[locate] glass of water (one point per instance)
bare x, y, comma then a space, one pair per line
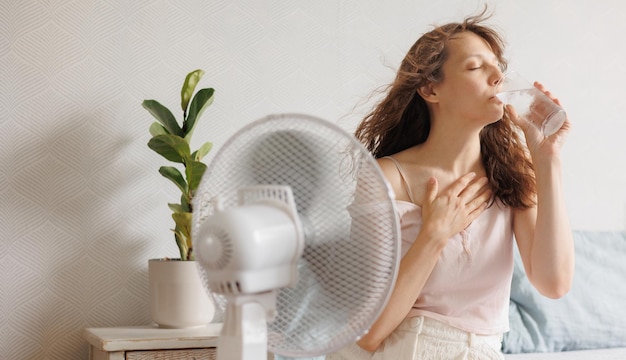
531, 104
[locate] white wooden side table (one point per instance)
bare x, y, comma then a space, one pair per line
152, 343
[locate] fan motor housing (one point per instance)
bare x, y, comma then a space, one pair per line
249, 249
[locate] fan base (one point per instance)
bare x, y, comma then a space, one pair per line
244, 334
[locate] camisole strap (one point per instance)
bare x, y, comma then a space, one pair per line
405, 183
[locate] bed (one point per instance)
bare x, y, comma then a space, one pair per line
587, 323
599, 354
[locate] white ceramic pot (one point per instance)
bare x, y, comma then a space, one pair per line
177, 297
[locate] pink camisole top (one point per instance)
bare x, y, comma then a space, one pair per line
470, 286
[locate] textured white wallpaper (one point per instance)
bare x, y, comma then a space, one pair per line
82, 206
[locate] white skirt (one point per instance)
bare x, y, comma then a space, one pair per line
423, 338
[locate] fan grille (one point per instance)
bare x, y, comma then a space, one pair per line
351, 229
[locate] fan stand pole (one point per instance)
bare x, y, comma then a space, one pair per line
244, 334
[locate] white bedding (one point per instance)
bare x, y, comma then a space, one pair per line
601, 354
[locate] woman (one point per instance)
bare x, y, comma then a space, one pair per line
466, 186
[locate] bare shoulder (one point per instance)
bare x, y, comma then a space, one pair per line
416, 176
391, 173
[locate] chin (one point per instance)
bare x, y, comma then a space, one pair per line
497, 116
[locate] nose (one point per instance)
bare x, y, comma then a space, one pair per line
498, 77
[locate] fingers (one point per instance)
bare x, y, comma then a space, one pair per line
450, 212
566, 125
517, 120
432, 188
468, 192
477, 189
480, 194
458, 186
542, 88
481, 198
476, 212
476, 197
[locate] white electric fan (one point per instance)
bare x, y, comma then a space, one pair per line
295, 227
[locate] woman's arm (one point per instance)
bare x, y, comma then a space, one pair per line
543, 233
415, 268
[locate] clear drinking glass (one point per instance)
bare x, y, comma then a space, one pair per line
531, 104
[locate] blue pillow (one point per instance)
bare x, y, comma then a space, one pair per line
592, 315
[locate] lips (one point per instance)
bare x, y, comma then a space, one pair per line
497, 99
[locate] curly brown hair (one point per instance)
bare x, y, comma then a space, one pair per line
403, 111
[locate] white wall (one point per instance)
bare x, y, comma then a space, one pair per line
82, 207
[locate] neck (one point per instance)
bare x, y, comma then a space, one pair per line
454, 148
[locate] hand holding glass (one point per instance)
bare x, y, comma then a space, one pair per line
531, 104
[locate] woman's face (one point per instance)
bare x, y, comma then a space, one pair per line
470, 76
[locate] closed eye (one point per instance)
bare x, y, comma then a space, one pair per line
474, 65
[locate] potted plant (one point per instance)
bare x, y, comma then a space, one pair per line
177, 296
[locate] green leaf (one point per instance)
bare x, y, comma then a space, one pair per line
157, 129
201, 101
189, 86
184, 202
176, 207
181, 241
194, 172
183, 233
202, 151
183, 223
175, 176
164, 115
172, 147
